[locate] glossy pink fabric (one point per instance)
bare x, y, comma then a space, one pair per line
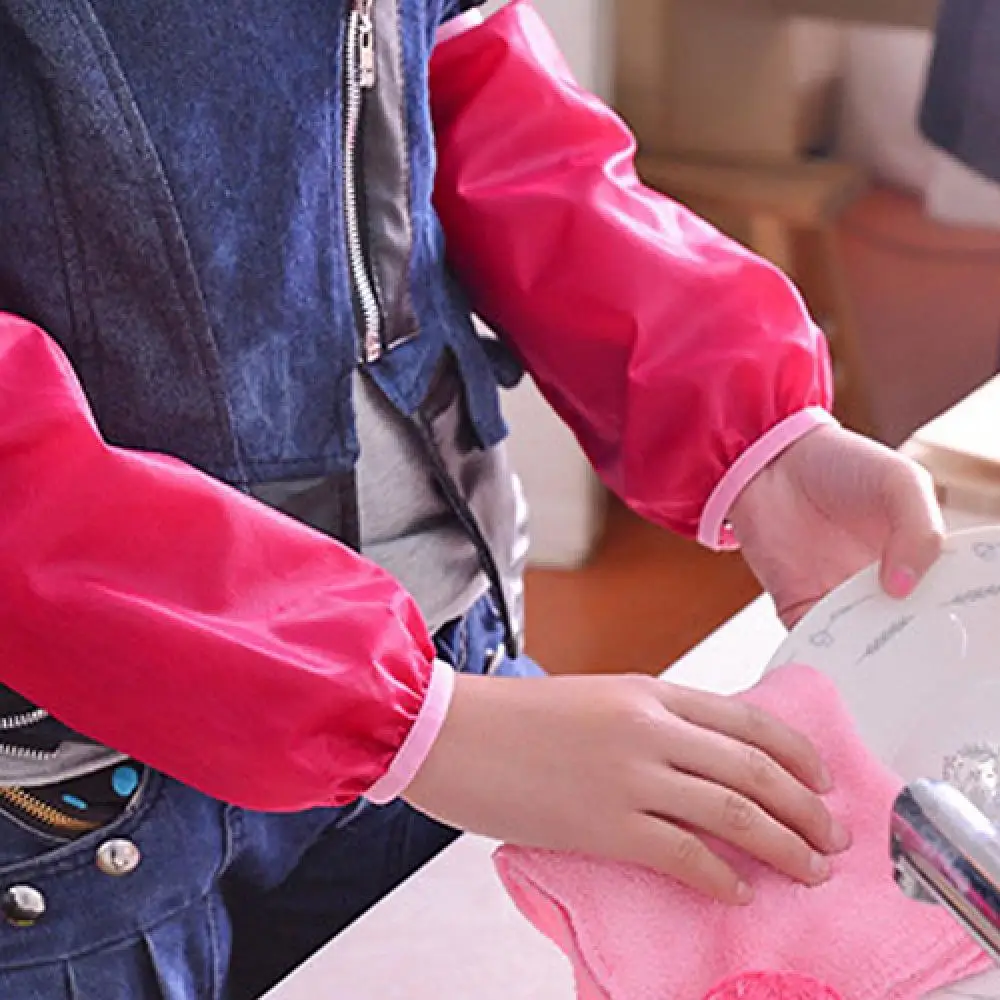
667, 348
177, 620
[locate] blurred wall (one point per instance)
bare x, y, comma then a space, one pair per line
563, 495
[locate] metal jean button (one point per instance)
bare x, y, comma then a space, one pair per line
22, 905
118, 857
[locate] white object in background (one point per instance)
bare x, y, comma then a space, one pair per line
565, 498
920, 676
884, 70
582, 29
960, 448
959, 196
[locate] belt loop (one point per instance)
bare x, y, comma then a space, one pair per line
495, 661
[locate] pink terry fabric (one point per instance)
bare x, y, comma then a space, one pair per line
634, 935
772, 986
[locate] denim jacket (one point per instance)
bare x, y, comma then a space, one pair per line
220, 208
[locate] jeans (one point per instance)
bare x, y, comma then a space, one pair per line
223, 902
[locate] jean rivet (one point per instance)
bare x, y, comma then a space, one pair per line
118, 857
22, 905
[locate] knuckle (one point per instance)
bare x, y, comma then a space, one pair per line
641, 721
760, 770
738, 813
688, 851
756, 723
640, 713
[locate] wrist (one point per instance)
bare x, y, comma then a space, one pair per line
726, 508
770, 492
421, 738
450, 780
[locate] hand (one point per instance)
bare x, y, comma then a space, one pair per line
830, 505
633, 769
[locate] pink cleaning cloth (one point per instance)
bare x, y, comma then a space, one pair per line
632, 934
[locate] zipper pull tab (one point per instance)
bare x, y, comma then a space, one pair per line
366, 45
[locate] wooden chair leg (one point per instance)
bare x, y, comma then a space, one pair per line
770, 237
857, 403
820, 274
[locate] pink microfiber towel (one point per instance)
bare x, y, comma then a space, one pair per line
632, 934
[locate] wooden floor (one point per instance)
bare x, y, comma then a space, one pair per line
645, 598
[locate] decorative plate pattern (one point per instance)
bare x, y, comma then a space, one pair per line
921, 676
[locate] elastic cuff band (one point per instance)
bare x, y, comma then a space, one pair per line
420, 738
713, 532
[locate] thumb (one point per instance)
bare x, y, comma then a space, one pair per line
915, 527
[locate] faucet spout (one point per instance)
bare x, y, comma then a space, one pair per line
946, 852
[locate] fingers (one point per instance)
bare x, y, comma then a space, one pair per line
916, 529
752, 778
753, 727
685, 857
743, 776
706, 807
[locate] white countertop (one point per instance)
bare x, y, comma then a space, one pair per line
450, 932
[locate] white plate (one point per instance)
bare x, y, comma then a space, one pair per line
921, 676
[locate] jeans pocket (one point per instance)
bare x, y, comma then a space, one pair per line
130, 911
23, 841
20, 842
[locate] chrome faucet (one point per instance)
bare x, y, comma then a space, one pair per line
945, 851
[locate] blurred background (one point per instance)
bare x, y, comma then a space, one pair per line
792, 125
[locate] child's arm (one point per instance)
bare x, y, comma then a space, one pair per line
175, 619
682, 362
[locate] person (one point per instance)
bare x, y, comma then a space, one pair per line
263, 270
958, 108
960, 104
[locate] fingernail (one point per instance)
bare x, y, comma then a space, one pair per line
744, 894
902, 580
839, 836
819, 867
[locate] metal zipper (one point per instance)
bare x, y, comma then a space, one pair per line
22, 721
42, 812
27, 753
360, 68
